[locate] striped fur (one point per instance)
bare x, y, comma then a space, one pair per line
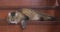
31, 14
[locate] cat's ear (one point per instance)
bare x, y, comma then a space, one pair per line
9, 14
16, 14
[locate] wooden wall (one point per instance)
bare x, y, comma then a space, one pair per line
29, 4
26, 3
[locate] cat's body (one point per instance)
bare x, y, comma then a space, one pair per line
34, 15
31, 14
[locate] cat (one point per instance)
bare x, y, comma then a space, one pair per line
27, 14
